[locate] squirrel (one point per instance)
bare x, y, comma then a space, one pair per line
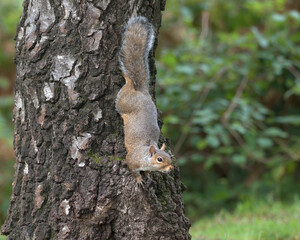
135, 105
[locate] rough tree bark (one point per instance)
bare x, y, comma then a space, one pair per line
70, 178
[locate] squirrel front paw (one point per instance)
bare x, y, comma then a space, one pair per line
140, 182
138, 178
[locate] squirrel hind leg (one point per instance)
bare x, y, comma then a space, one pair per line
129, 82
126, 97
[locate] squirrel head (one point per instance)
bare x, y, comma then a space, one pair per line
160, 159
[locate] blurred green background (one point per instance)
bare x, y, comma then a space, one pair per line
10, 11
228, 86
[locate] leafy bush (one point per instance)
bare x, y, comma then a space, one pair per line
6, 127
6, 177
10, 11
229, 93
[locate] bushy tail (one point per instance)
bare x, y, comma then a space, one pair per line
136, 44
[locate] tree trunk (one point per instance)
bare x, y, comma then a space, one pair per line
71, 180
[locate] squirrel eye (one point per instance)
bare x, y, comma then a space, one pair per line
159, 159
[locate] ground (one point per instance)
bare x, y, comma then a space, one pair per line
252, 220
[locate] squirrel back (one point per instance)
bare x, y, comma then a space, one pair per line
136, 44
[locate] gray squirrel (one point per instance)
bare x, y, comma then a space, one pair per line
135, 104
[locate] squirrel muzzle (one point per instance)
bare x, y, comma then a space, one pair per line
167, 168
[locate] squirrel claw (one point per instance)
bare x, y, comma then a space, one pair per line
138, 178
140, 181
141, 184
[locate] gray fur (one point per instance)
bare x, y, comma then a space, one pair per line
135, 104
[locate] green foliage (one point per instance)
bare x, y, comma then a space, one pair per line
10, 11
230, 99
6, 127
6, 175
252, 220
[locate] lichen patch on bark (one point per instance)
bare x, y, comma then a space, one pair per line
98, 114
19, 107
40, 11
33, 96
49, 91
63, 65
70, 10
65, 205
79, 143
26, 170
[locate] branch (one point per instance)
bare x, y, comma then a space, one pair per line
204, 25
231, 108
234, 102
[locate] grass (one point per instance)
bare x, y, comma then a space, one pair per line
252, 221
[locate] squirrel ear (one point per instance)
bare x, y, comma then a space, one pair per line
163, 147
152, 150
